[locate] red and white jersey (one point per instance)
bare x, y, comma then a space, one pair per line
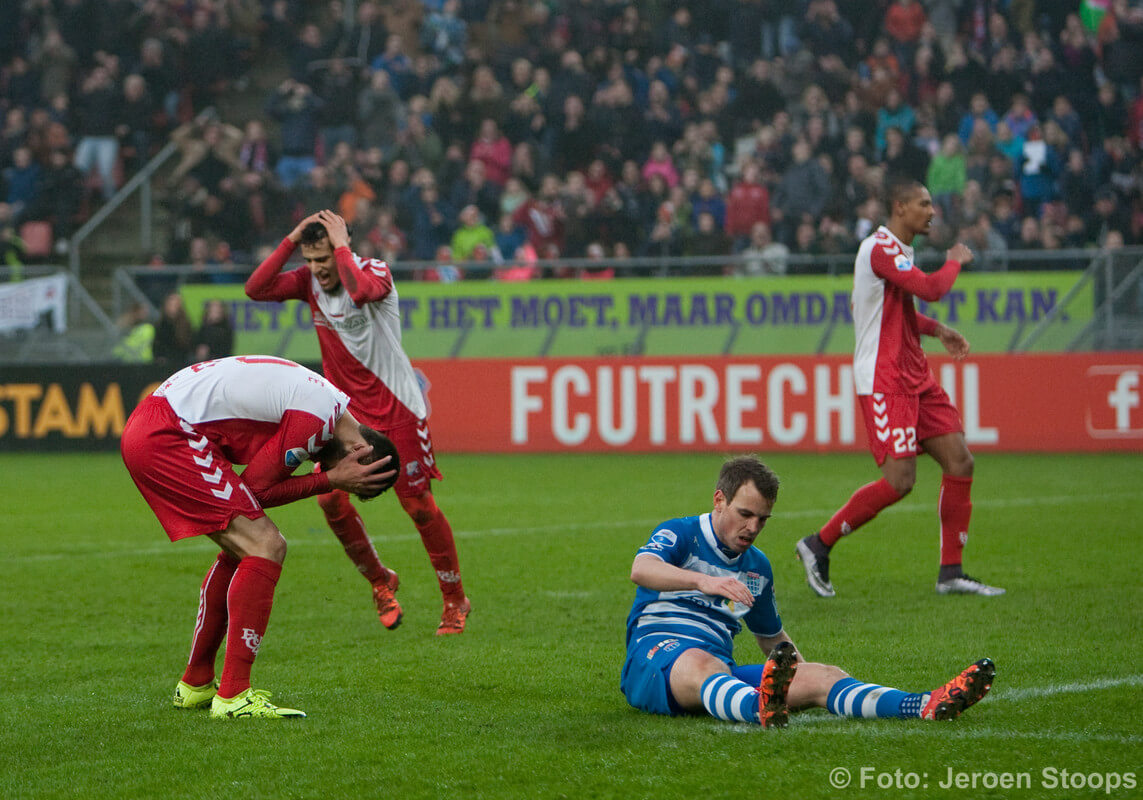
268, 413
888, 358
359, 333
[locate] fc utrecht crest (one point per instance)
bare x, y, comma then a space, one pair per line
296, 456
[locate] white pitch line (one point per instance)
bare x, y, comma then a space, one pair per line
1066, 688
640, 525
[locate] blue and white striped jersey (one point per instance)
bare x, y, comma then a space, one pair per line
690, 543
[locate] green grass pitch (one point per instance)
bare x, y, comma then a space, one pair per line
98, 606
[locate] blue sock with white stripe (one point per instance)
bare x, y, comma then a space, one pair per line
850, 697
726, 697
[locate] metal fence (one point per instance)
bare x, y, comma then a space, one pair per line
1115, 277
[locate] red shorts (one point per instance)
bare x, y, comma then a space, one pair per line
418, 464
898, 423
183, 476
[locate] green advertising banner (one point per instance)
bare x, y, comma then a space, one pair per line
661, 317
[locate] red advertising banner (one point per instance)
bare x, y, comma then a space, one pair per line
1058, 402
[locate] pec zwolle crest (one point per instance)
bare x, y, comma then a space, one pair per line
754, 582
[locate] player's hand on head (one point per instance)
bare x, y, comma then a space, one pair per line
358, 474
336, 228
960, 253
295, 235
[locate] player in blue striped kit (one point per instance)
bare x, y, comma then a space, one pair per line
699, 580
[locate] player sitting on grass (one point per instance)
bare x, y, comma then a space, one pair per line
698, 577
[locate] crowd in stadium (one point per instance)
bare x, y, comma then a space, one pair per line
510, 131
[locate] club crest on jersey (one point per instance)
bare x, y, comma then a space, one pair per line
412, 468
296, 456
755, 583
902, 262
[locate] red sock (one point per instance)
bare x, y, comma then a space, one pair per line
863, 506
955, 510
436, 535
249, 602
346, 524
210, 626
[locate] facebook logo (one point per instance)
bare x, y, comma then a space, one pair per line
1114, 407
1124, 398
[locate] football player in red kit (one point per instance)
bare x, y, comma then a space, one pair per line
358, 323
904, 408
180, 445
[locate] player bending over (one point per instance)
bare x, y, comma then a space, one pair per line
699, 579
180, 445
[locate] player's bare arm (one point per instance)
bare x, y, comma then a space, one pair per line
653, 573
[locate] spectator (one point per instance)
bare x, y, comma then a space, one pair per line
902, 157
903, 23
485, 99
380, 113
473, 188
979, 109
308, 47
97, 111
1077, 188
894, 114
706, 239
22, 183
388, 239
572, 140
762, 255
492, 148
542, 217
432, 223
136, 130
338, 89
471, 233
659, 163
297, 111
364, 40
215, 336
445, 34
173, 333
256, 154
137, 343
209, 151
826, 32
1039, 167
596, 252
56, 62
708, 200
946, 175
802, 192
58, 202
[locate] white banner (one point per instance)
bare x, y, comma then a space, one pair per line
34, 302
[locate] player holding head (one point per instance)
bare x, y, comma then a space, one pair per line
358, 324
180, 445
700, 578
905, 409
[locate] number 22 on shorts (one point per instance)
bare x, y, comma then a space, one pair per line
904, 440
